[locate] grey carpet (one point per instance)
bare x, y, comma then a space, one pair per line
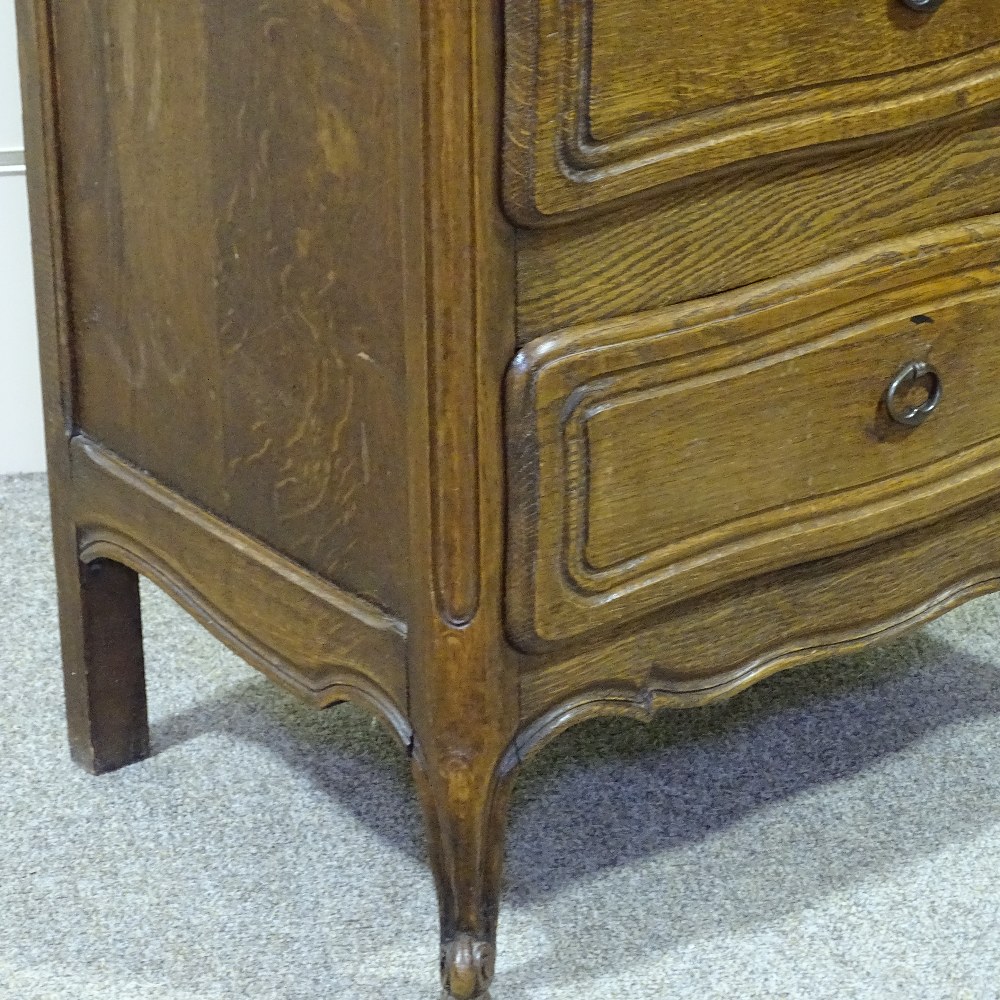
834, 832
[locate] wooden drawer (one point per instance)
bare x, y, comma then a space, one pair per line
661, 456
608, 99
681, 244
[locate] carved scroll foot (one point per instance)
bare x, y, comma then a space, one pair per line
467, 967
465, 807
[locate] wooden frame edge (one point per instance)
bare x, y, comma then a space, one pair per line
320, 642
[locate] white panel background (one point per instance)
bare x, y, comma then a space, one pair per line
21, 439
10, 111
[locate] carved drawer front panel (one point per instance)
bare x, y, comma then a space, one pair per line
660, 456
610, 97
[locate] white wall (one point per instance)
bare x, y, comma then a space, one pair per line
21, 439
10, 110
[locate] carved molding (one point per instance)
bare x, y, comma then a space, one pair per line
933, 488
451, 248
557, 386
771, 122
340, 683
557, 165
466, 834
323, 644
644, 700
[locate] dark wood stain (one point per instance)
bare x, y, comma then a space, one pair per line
499, 365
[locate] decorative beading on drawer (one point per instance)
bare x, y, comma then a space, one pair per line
609, 99
660, 456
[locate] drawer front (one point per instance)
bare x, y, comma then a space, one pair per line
659, 457
611, 97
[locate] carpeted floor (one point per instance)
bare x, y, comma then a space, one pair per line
833, 833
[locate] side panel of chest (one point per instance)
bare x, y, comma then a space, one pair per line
233, 198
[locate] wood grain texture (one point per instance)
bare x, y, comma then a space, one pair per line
453, 322
232, 181
463, 691
277, 300
99, 620
469, 910
664, 455
307, 164
724, 233
320, 642
652, 62
107, 717
712, 647
135, 186
606, 100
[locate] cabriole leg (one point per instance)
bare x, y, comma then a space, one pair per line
466, 816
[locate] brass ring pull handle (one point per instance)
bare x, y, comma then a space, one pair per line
900, 386
924, 6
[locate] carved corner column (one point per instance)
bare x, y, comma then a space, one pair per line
463, 692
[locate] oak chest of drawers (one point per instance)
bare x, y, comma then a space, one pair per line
499, 365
